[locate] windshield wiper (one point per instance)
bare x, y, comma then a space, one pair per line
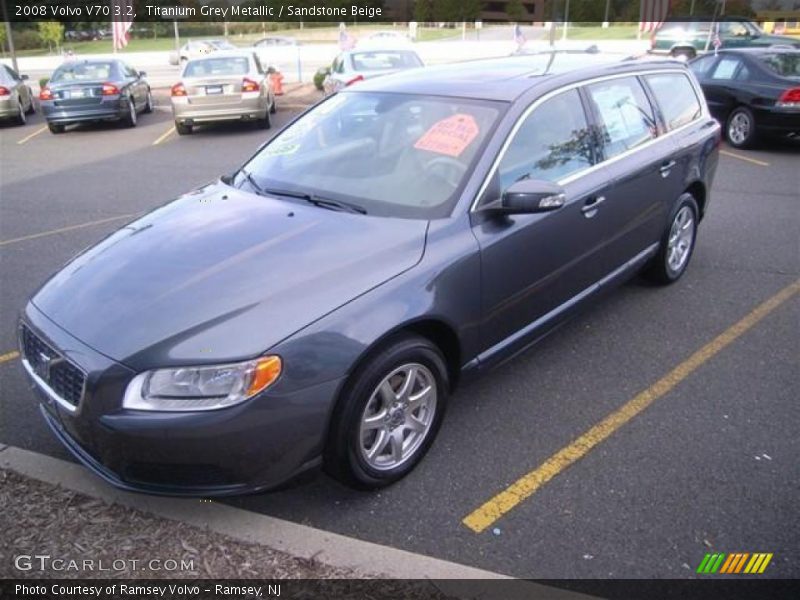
317, 200
311, 198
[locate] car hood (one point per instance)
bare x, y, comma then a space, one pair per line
221, 275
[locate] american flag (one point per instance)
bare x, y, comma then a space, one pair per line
653, 13
519, 37
122, 11
346, 41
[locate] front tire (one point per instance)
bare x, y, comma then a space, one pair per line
740, 129
388, 414
677, 244
684, 54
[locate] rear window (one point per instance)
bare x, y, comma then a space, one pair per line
676, 96
83, 72
783, 64
219, 66
379, 61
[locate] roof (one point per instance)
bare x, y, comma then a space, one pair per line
761, 50
505, 79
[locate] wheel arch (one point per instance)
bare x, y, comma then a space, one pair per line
698, 190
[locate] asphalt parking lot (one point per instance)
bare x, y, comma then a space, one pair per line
700, 455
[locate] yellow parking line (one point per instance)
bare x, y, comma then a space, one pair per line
8, 356
760, 163
524, 487
33, 236
34, 134
164, 135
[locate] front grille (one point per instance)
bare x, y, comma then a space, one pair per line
64, 378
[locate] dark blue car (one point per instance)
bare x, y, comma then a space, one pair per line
319, 305
94, 90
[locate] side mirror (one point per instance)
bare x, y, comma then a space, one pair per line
142, 73
530, 196
23, 77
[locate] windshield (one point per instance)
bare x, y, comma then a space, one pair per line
228, 65
383, 60
784, 64
393, 155
83, 72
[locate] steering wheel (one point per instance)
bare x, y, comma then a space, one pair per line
446, 168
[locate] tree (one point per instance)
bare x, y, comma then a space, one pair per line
422, 11
51, 32
516, 10
2, 36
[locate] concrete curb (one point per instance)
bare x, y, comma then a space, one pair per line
298, 540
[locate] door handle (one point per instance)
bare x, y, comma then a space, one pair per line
666, 168
589, 209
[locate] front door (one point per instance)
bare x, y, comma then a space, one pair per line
532, 264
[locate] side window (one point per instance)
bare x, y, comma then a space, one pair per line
338, 65
676, 97
726, 68
701, 66
553, 142
625, 115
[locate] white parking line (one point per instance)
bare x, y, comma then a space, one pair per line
760, 163
164, 135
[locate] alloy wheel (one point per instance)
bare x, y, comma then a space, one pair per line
398, 416
681, 238
739, 128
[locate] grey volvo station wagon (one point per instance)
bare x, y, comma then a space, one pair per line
318, 306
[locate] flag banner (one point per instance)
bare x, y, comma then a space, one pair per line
653, 14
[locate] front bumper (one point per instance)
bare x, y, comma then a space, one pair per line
257, 445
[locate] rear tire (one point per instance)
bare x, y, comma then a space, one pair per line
740, 128
148, 103
31, 108
272, 108
130, 119
266, 122
677, 243
388, 414
56, 127
182, 128
21, 119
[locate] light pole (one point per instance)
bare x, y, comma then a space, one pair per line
10, 38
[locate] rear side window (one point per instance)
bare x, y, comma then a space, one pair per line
232, 65
676, 96
702, 65
625, 115
785, 64
553, 142
726, 68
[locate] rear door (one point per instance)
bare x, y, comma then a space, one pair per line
533, 264
639, 167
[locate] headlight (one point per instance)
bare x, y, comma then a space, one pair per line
201, 388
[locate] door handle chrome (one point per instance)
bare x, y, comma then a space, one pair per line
592, 204
666, 168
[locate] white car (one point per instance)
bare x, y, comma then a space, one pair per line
198, 49
362, 63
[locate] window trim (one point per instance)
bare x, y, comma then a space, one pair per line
474, 205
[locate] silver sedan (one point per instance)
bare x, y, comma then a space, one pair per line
363, 63
16, 100
228, 86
